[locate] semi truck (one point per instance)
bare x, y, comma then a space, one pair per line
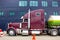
33, 22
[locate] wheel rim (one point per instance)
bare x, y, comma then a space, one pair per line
11, 32
54, 33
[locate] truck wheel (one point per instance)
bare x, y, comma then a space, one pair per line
54, 32
59, 31
11, 32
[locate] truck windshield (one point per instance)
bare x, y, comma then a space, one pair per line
21, 20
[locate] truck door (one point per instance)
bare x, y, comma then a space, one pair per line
25, 24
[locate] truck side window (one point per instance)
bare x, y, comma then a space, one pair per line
25, 20
38, 13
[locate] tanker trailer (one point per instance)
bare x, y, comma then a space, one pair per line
54, 25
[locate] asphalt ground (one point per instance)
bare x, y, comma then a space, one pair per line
38, 37
29, 37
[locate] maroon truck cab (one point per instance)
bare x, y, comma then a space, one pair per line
33, 23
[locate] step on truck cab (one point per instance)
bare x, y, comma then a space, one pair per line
33, 23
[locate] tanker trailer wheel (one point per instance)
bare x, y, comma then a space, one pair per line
54, 32
11, 32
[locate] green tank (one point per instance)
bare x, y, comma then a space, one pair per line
54, 21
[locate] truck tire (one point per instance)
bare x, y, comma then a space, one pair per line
11, 32
59, 31
54, 32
